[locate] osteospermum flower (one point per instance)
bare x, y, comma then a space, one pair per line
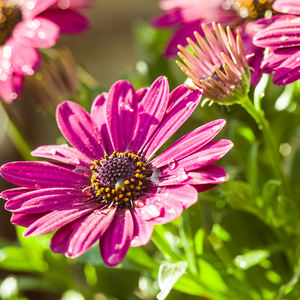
107, 186
186, 16
220, 66
282, 36
29, 24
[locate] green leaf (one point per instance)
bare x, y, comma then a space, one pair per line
251, 258
168, 275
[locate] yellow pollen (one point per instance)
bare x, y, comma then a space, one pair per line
123, 189
102, 189
132, 180
128, 194
140, 183
92, 180
105, 156
126, 199
95, 161
126, 181
116, 198
138, 171
92, 167
138, 188
98, 194
107, 190
104, 197
108, 195
121, 196
137, 175
113, 191
131, 186
143, 169
139, 164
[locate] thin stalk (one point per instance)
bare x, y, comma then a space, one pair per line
14, 133
258, 115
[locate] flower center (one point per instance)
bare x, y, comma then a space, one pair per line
119, 179
215, 76
10, 15
254, 9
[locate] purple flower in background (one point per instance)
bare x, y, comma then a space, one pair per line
282, 35
186, 16
106, 187
31, 24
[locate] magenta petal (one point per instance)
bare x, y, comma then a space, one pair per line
79, 129
140, 94
211, 174
142, 231
161, 209
64, 154
37, 33
284, 32
60, 240
89, 230
31, 8
11, 88
207, 155
44, 200
115, 242
168, 19
289, 70
176, 115
179, 38
37, 175
287, 6
204, 187
11, 193
68, 20
151, 111
24, 59
98, 114
187, 195
121, 112
59, 218
25, 220
189, 143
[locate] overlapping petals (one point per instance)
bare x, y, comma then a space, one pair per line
57, 195
40, 26
282, 36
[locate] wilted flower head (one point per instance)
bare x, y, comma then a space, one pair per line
282, 36
106, 187
220, 66
26, 25
56, 80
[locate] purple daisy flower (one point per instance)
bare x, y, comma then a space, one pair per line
106, 187
186, 16
27, 25
282, 36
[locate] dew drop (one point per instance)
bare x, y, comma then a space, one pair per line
64, 145
30, 4
13, 96
52, 151
73, 161
284, 38
125, 106
190, 105
182, 176
171, 211
41, 35
87, 191
172, 164
37, 186
216, 128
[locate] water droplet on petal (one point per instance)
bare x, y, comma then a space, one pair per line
171, 211
13, 96
114, 259
64, 145
172, 164
52, 151
41, 35
30, 5
87, 191
37, 186
190, 105
216, 128
284, 38
182, 176
73, 161
126, 106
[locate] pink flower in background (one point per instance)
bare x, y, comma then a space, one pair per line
106, 187
282, 35
31, 24
186, 16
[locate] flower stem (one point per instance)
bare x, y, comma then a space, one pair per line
259, 116
14, 133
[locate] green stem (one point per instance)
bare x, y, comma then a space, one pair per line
258, 115
14, 133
